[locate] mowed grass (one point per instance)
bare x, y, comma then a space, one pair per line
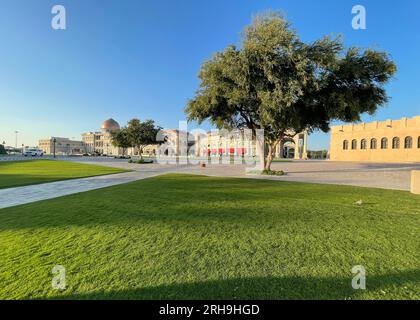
21, 173
195, 237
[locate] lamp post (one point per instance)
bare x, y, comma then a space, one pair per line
23, 145
54, 141
16, 138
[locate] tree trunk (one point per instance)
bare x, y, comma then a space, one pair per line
271, 150
141, 153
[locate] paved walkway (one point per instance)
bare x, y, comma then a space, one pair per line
379, 175
21, 195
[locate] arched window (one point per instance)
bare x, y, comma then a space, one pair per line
363, 144
418, 142
384, 143
345, 145
395, 143
408, 142
354, 144
373, 143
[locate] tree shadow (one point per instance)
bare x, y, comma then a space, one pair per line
404, 286
192, 200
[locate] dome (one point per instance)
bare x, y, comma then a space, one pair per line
110, 125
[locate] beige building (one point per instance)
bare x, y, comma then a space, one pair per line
175, 143
216, 143
100, 142
387, 141
63, 146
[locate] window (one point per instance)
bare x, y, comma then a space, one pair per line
345, 145
396, 143
373, 143
363, 144
384, 143
418, 142
354, 144
408, 142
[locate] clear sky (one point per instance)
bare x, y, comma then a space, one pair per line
138, 58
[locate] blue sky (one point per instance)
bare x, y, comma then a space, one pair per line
125, 59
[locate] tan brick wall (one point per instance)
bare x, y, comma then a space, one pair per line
406, 127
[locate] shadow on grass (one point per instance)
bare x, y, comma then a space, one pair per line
274, 288
193, 199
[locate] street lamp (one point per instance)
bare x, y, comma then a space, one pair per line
22, 147
16, 138
54, 141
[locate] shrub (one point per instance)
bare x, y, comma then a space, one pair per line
141, 161
273, 172
267, 172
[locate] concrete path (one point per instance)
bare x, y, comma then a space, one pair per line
26, 194
394, 176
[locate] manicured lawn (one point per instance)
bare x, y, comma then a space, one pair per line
20, 173
182, 237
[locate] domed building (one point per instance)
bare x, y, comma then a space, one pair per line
100, 142
110, 125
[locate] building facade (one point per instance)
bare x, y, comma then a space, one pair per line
176, 143
386, 141
100, 142
63, 146
238, 143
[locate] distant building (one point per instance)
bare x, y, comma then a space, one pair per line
63, 146
216, 143
386, 141
175, 143
100, 142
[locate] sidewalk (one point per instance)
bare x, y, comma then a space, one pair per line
21, 195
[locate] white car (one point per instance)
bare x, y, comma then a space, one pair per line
33, 153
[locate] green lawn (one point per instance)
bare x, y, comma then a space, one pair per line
182, 237
20, 173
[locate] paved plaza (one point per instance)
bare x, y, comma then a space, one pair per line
396, 176
379, 175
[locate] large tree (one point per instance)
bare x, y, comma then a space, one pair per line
276, 82
142, 134
121, 139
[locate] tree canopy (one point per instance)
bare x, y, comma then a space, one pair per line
137, 134
2, 149
121, 139
142, 134
276, 82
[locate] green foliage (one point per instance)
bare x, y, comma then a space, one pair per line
121, 139
195, 237
320, 154
278, 83
2, 150
142, 134
140, 161
273, 172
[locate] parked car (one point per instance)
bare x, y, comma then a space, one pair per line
33, 153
